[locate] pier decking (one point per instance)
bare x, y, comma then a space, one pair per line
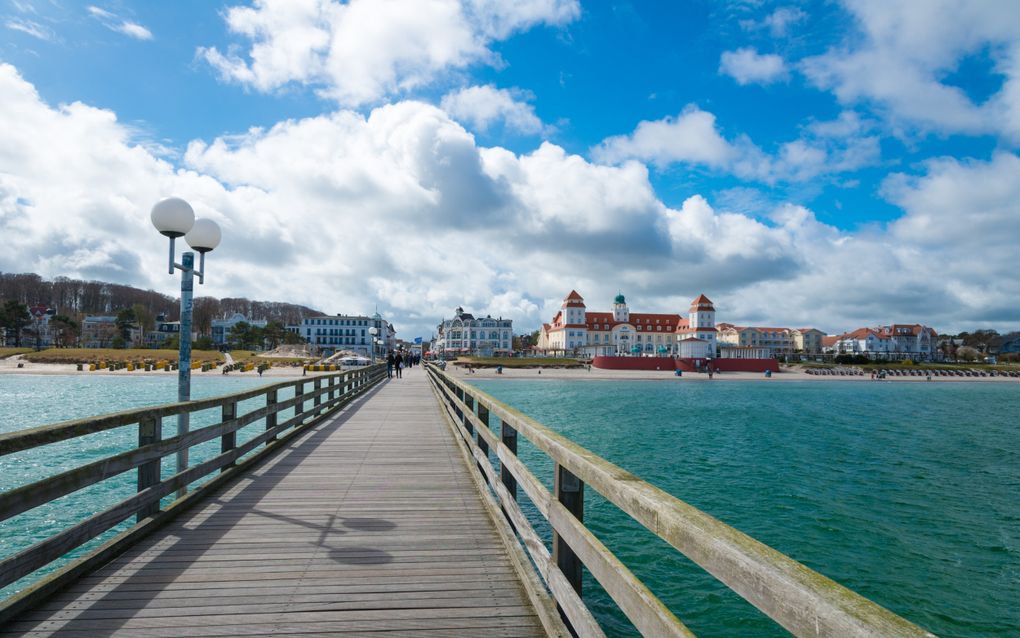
368, 522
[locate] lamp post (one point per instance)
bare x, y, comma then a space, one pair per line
174, 217
373, 331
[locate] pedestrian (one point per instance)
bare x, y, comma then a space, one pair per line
389, 365
398, 365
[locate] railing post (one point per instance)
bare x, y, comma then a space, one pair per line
332, 389
470, 403
483, 445
317, 385
229, 440
299, 407
570, 492
272, 418
509, 437
150, 431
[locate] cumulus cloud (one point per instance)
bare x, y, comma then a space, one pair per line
902, 58
747, 66
401, 207
778, 22
116, 23
485, 106
360, 51
693, 138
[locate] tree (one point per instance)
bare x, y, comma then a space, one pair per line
15, 316
64, 330
126, 321
967, 353
143, 317
204, 343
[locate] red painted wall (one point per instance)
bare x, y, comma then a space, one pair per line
687, 365
634, 363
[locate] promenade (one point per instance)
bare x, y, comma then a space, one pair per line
369, 522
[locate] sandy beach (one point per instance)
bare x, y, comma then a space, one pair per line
10, 366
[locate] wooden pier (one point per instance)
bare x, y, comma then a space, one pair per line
368, 522
366, 506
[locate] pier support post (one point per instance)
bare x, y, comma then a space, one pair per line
271, 419
569, 492
229, 440
150, 431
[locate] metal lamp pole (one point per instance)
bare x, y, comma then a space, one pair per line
373, 331
174, 217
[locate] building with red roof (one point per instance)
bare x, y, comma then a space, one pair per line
575, 330
895, 341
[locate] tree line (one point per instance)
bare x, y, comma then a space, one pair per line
74, 299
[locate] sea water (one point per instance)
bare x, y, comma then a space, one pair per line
32, 400
908, 494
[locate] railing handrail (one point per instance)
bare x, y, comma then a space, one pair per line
338, 388
28, 438
803, 601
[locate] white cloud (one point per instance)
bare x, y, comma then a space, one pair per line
360, 51
693, 138
114, 22
778, 22
747, 66
903, 55
690, 137
31, 28
484, 106
402, 208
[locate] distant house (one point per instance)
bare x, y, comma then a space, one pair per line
164, 330
779, 341
896, 341
332, 333
98, 331
1007, 344
221, 327
481, 336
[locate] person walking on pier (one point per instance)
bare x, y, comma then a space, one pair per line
398, 362
389, 365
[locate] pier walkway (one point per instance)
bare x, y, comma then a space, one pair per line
368, 523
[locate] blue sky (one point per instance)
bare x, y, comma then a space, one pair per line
831, 164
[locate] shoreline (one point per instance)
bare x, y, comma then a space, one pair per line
785, 376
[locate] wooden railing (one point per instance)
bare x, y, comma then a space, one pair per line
801, 600
325, 394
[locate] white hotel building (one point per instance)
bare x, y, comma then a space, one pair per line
483, 337
574, 330
330, 334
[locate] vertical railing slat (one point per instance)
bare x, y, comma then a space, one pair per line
150, 430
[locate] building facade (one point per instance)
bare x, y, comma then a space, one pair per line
896, 341
482, 337
779, 341
576, 331
220, 328
329, 334
98, 331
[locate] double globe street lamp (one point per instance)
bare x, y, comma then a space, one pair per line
174, 217
373, 331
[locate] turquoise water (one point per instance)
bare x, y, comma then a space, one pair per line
908, 494
28, 401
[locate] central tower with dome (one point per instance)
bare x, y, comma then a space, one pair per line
621, 313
